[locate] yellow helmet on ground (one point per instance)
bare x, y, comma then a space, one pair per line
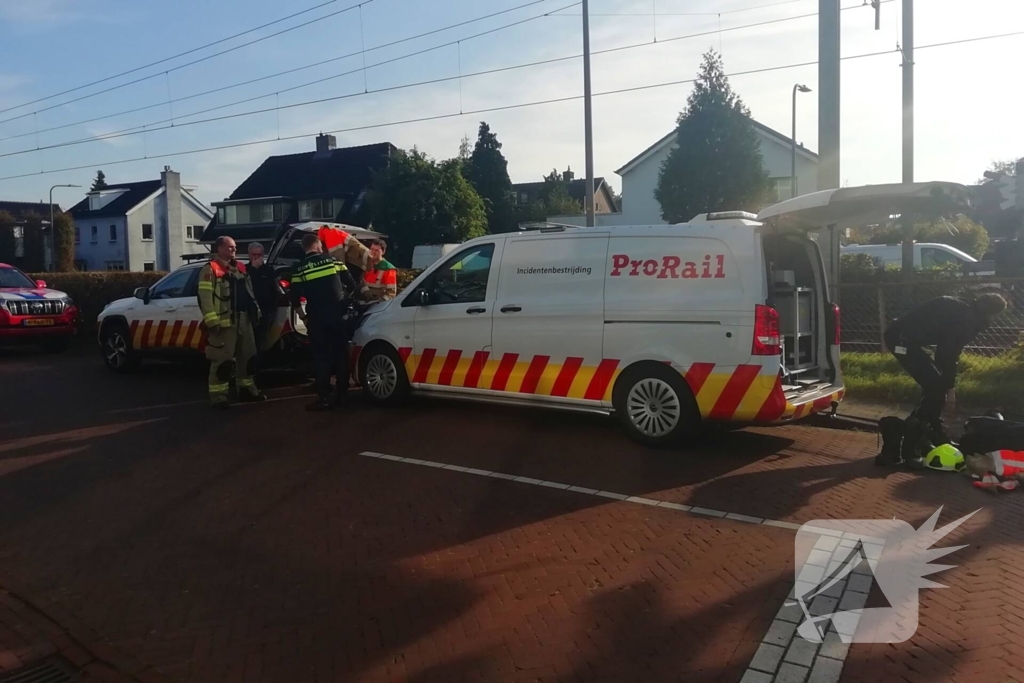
946, 458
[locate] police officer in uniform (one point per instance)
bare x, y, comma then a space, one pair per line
322, 281
226, 300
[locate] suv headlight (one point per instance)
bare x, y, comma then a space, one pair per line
68, 301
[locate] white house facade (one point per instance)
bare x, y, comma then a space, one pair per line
640, 177
139, 226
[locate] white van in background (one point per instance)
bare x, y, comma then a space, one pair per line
425, 255
926, 254
725, 318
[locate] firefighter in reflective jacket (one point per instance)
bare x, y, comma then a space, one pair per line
381, 277
226, 300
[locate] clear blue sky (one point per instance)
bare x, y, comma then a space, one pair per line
968, 96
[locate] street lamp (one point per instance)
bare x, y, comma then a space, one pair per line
800, 88
53, 237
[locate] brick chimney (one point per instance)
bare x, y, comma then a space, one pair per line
568, 175
325, 143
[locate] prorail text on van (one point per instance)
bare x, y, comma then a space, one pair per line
669, 267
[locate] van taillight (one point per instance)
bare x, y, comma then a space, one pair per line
766, 332
838, 327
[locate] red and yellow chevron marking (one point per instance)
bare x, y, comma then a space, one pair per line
739, 394
152, 334
536, 375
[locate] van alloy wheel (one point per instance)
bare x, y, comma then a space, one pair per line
381, 376
653, 407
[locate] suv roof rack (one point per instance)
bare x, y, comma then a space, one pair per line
195, 257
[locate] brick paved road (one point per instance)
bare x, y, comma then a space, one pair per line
157, 544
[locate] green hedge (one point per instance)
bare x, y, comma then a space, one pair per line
92, 291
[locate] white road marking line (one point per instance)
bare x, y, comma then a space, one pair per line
639, 500
782, 655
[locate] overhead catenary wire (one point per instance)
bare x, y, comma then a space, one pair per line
520, 105
289, 71
134, 130
171, 58
188, 64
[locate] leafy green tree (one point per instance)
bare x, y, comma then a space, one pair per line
717, 162
417, 200
100, 182
488, 171
556, 198
64, 239
8, 245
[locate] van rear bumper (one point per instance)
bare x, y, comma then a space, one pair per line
812, 402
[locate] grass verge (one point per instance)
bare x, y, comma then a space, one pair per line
982, 382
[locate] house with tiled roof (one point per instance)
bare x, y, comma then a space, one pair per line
328, 184
139, 226
604, 200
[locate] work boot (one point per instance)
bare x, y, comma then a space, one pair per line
891, 430
916, 443
320, 405
246, 397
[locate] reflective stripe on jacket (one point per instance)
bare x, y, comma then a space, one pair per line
218, 293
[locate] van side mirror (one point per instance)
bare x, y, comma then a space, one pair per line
142, 293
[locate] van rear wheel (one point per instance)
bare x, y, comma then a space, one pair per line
655, 406
383, 377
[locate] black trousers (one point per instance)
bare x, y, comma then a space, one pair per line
329, 335
922, 368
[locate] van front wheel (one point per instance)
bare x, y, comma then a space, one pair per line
655, 406
383, 376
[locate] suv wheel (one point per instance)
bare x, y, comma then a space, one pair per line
117, 349
655, 406
382, 375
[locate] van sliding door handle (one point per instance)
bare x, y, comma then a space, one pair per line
474, 311
511, 309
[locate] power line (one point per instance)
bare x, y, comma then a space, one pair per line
685, 14
280, 73
187, 64
521, 105
177, 121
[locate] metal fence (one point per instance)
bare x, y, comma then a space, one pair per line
868, 308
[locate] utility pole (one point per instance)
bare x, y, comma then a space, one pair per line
796, 88
588, 124
828, 128
908, 129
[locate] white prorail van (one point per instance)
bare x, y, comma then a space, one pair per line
725, 318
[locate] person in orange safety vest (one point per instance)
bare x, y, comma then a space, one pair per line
381, 277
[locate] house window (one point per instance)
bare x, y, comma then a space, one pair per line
78, 235
113, 233
311, 209
148, 266
194, 232
93, 232
81, 265
115, 265
524, 198
782, 188
147, 231
266, 213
